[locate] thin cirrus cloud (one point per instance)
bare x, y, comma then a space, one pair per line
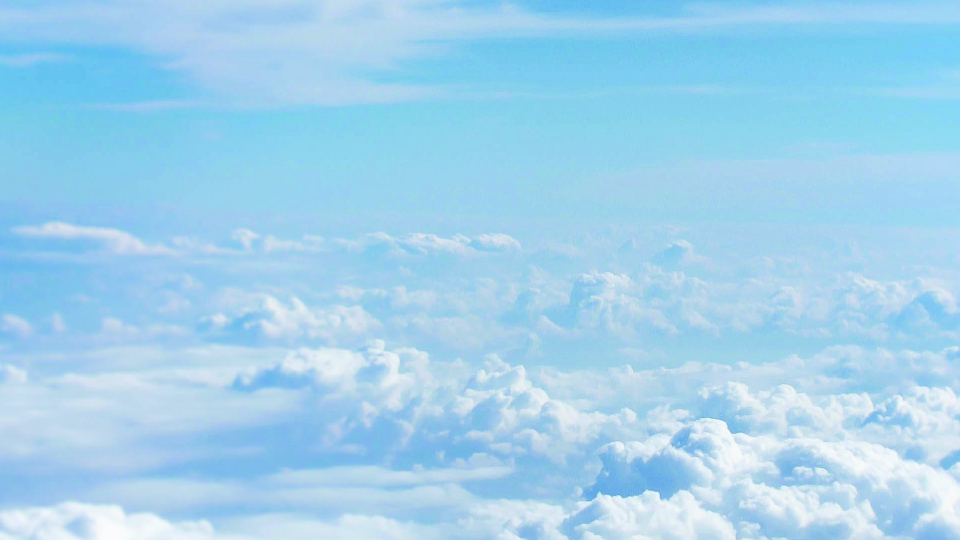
24, 60
264, 53
15, 325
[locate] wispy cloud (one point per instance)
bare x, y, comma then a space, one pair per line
13, 324
31, 59
946, 86
319, 52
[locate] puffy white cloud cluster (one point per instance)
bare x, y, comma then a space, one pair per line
670, 302
645, 517
703, 434
356, 392
430, 244
860, 448
271, 318
246, 241
495, 411
77, 521
501, 408
74, 521
776, 465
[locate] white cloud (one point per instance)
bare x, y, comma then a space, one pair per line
495, 242
611, 302
381, 243
16, 325
796, 469
400, 395
77, 521
271, 318
112, 240
112, 328
12, 375
330, 53
88, 522
677, 254
245, 237
57, 324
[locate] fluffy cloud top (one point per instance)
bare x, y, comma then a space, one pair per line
86, 522
271, 318
526, 419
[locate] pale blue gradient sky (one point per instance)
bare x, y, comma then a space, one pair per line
516, 112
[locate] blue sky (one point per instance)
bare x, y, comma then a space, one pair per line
437, 269
195, 107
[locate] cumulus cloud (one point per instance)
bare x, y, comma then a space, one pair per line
775, 464
77, 521
495, 242
611, 302
112, 240
381, 243
676, 254
271, 318
863, 441
250, 240
496, 410
89, 522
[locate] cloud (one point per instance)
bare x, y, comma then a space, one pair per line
77, 521
495, 242
612, 303
414, 244
57, 324
270, 318
395, 399
246, 238
112, 328
12, 375
647, 515
31, 59
676, 254
336, 53
13, 324
88, 522
779, 465
112, 240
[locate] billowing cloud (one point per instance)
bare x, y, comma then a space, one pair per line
430, 386
430, 244
271, 318
89, 522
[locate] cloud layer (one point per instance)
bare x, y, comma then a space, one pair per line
665, 384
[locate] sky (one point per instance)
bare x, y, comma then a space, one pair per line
450, 269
